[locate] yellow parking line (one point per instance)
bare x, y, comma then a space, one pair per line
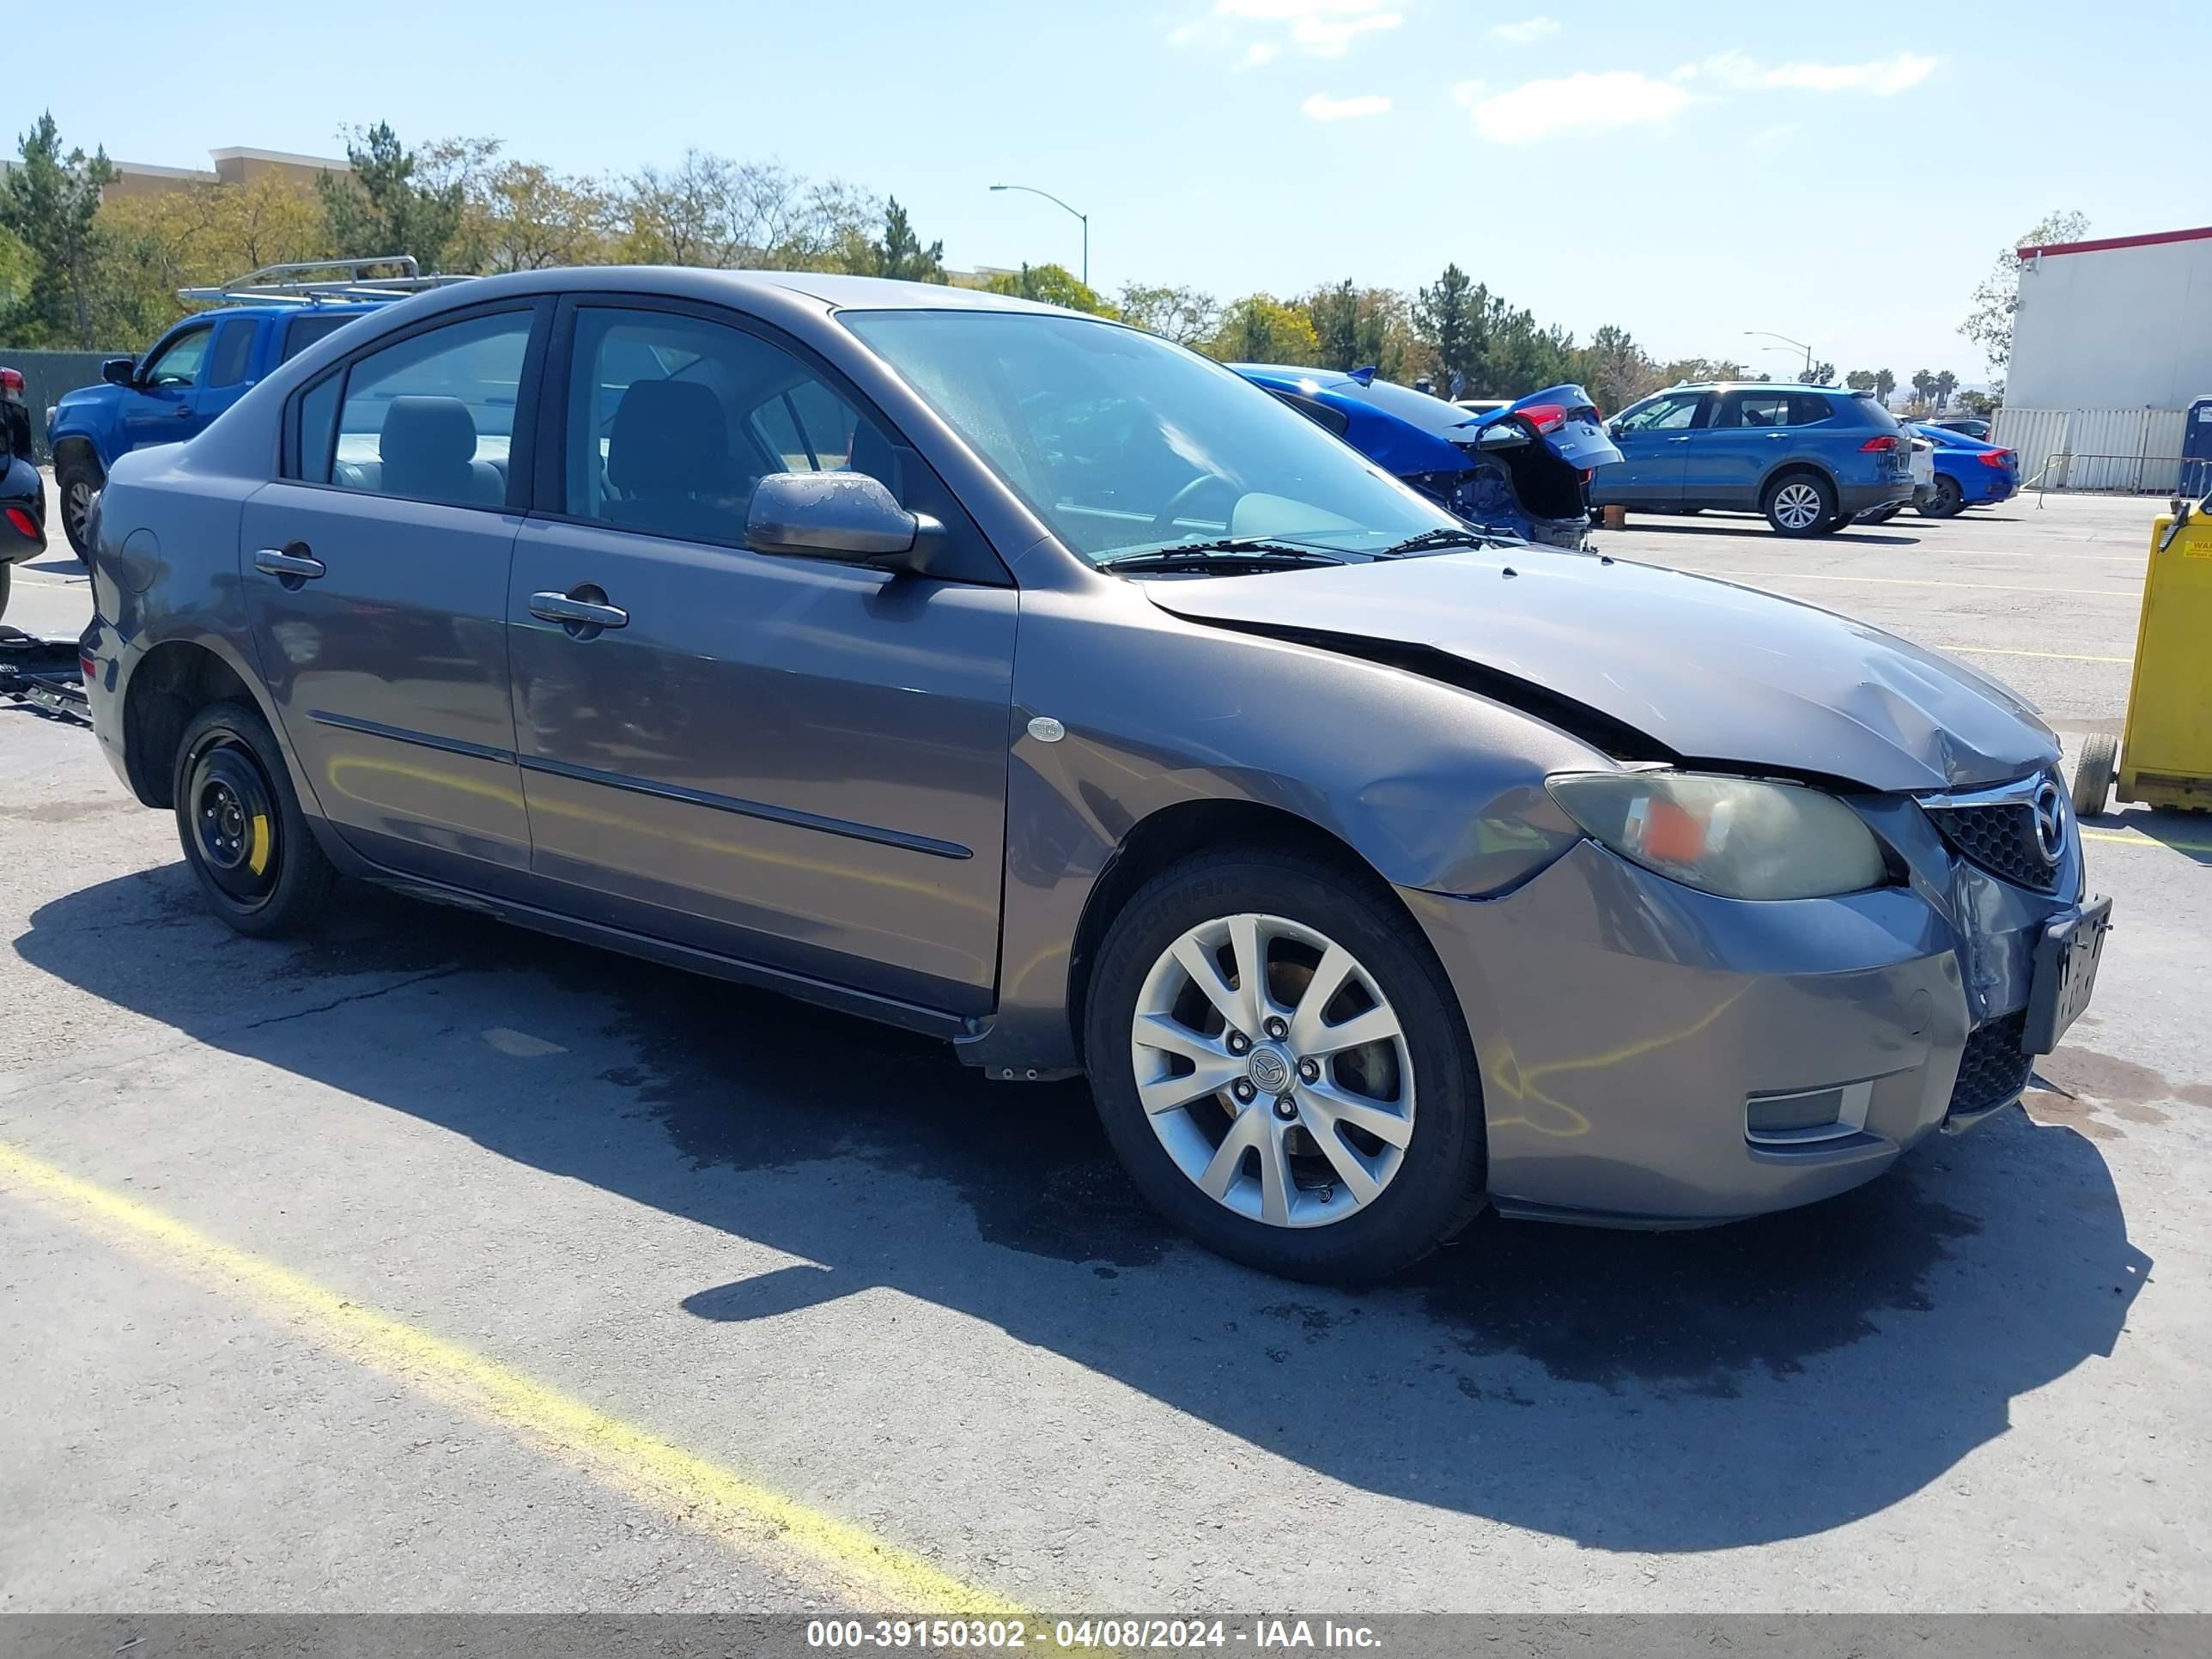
2006, 651
1921, 581
699, 1494
2131, 839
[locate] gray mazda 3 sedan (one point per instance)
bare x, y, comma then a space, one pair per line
1022, 677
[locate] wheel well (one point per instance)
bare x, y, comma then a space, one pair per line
74, 448
1795, 468
173, 684
1176, 832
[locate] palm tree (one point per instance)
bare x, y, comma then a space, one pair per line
1946, 383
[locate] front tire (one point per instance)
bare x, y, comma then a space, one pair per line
243, 832
2093, 773
76, 482
1282, 1067
1800, 504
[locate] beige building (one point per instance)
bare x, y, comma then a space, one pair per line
232, 167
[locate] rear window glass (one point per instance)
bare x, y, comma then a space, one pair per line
1868, 409
302, 332
233, 346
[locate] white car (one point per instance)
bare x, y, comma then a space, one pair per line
1923, 485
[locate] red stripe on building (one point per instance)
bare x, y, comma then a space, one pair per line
2099, 246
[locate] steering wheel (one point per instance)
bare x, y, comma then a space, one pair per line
1163, 520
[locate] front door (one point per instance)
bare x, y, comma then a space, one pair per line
794, 761
162, 405
1653, 439
376, 581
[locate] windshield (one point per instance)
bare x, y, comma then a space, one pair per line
1121, 441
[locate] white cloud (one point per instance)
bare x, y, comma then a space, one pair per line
1323, 107
1318, 28
1885, 77
1524, 34
1542, 109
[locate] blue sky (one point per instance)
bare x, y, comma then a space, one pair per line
1842, 174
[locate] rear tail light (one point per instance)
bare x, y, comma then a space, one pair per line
1996, 458
87, 668
1885, 441
11, 384
1544, 417
25, 525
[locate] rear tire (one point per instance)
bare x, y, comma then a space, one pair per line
241, 826
1278, 1200
1799, 504
2093, 773
77, 481
7, 581
1946, 501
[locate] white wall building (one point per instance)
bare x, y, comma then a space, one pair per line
2112, 342
2123, 323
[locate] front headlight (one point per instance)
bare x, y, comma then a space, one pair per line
1739, 837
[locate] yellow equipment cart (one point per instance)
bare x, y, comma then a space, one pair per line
2164, 757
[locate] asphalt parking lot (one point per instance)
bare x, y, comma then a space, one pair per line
429, 1264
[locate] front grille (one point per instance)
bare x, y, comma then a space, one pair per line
2001, 839
1992, 1070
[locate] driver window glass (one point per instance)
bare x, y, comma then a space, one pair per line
673, 420
1664, 415
178, 364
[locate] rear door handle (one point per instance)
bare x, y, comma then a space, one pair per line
573, 613
1776, 437
290, 565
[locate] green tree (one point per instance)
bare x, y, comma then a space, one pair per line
1860, 380
1990, 308
1924, 385
1613, 369
900, 253
1821, 374
49, 203
1697, 370
1978, 402
1260, 329
1447, 317
1885, 382
1185, 315
382, 207
1051, 285
1944, 385
1335, 313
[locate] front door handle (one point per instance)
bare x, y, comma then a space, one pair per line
579, 612
290, 565
185, 412
1678, 441
1776, 437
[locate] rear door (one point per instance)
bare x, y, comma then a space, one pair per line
230, 368
1745, 436
1653, 438
375, 578
794, 761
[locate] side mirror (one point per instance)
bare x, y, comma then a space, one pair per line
1612, 429
847, 517
1501, 435
119, 371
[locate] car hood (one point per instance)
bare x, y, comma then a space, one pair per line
1707, 671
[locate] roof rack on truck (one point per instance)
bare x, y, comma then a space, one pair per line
388, 276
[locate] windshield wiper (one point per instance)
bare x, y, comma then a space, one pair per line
1453, 537
1229, 551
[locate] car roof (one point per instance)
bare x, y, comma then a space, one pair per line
1763, 386
317, 308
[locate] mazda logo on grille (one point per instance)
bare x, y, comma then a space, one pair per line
2049, 821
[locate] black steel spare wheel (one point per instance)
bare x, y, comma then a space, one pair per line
236, 828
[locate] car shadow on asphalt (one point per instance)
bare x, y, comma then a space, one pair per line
1841, 537
1674, 1392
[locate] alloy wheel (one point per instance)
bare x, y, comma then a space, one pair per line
1797, 506
77, 503
1273, 1069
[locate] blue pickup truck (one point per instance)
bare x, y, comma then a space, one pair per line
204, 365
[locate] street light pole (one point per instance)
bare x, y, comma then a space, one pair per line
1771, 334
1085, 218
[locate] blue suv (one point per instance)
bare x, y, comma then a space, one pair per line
1810, 457
194, 372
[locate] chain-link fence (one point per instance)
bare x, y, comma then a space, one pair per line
46, 375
